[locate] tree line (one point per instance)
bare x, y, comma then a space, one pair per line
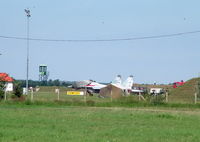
50, 82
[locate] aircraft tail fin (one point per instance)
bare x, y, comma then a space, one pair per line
129, 82
117, 80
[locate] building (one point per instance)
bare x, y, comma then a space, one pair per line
4, 77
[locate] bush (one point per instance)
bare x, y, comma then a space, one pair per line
2, 88
17, 90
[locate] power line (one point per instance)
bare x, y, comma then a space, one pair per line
103, 40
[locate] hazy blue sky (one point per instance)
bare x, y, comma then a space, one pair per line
162, 60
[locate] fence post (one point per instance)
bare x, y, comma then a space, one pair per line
139, 96
166, 97
195, 98
85, 96
5, 96
57, 91
111, 96
31, 94
58, 94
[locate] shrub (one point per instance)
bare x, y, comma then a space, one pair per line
2, 90
17, 90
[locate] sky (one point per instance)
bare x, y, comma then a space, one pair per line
161, 60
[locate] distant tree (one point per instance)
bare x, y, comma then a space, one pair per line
18, 91
56, 82
50, 82
43, 83
33, 83
2, 88
64, 83
22, 83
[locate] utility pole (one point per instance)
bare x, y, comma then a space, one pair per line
27, 11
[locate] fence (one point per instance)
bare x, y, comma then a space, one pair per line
51, 96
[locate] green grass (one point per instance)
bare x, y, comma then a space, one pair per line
50, 99
94, 124
184, 93
97, 120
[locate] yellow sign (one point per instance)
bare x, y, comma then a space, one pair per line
75, 93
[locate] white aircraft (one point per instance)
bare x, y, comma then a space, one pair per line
95, 87
126, 86
91, 85
117, 81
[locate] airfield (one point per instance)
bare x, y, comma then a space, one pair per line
80, 119
99, 71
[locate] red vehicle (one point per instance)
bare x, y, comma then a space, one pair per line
176, 84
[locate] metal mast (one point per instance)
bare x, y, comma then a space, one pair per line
27, 11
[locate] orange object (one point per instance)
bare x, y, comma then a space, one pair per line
5, 77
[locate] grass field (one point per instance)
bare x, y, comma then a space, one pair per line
185, 93
96, 120
35, 123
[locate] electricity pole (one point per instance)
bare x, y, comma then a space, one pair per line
27, 11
